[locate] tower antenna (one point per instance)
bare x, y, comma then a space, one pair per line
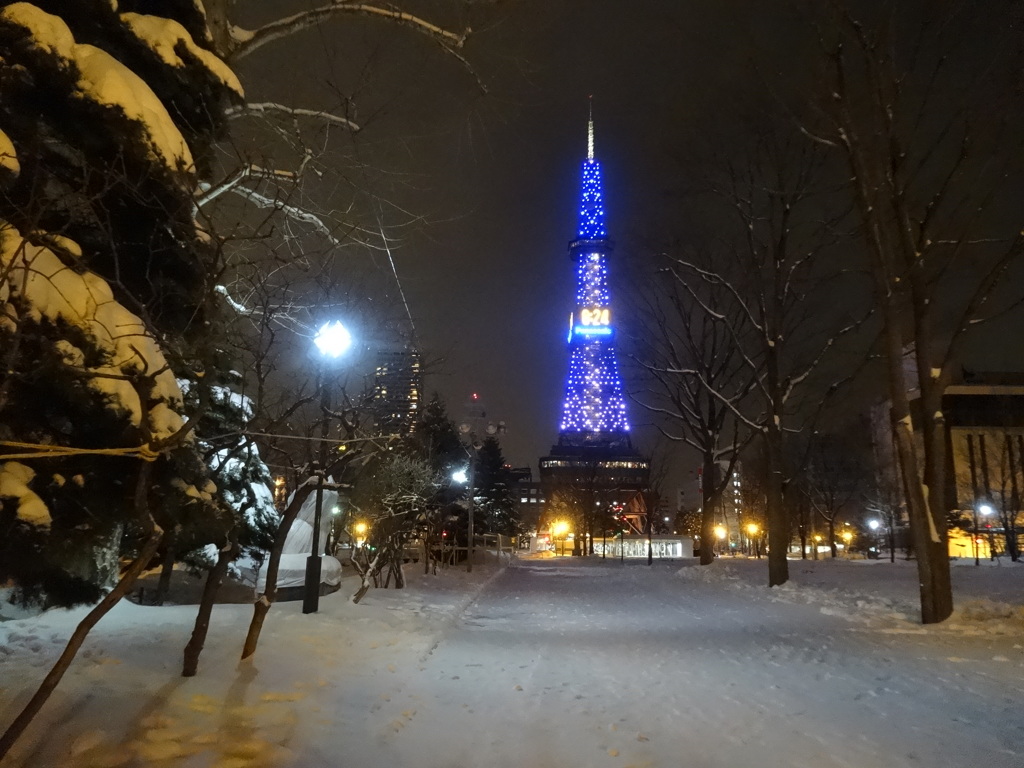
590, 128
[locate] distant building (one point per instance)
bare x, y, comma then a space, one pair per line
985, 443
984, 419
398, 383
529, 497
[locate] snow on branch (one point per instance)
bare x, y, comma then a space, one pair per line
248, 41
263, 107
210, 192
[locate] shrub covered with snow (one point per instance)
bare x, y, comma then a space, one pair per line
107, 118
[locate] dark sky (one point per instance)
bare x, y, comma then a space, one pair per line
496, 176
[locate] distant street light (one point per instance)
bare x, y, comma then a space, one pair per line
332, 340
560, 530
752, 530
874, 525
984, 509
847, 537
462, 477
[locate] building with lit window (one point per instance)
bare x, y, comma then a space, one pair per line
593, 471
397, 384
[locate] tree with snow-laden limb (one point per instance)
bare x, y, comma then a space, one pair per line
107, 118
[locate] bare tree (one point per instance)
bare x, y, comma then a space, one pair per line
695, 380
769, 279
913, 114
832, 481
394, 502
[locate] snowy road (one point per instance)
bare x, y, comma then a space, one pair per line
566, 663
550, 663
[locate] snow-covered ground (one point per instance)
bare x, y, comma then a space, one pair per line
551, 662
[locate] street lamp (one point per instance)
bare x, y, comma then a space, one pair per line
331, 341
984, 509
463, 477
720, 535
560, 529
847, 537
752, 530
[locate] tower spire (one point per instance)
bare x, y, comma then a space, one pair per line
591, 222
590, 128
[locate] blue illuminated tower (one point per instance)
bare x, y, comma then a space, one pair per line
594, 468
593, 410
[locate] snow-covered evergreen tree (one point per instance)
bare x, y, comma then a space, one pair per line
493, 493
107, 118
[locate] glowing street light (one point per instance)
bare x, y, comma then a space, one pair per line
560, 530
720, 534
332, 340
360, 529
752, 531
985, 509
463, 477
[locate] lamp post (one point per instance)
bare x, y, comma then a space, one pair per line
331, 341
752, 537
874, 525
559, 530
984, 509
720, 533
468, 478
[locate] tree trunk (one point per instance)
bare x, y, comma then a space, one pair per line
778, 520
932, 558
163, 586
214, 579
112, 598
264, 601
709, 501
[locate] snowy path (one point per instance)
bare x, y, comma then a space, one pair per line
562, 663
550, 663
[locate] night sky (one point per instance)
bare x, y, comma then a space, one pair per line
496, 175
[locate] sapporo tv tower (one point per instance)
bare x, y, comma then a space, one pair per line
594, 465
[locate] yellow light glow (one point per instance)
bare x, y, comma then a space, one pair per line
360, 528
720, 531
752, 529
560, 528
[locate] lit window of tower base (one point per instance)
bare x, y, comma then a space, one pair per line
594, 479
